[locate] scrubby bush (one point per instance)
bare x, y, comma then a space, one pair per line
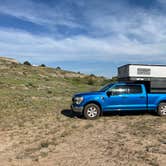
92, 75
58, 68
77, 80
30, 85
91, 82
42, 65
114, 79
27, 63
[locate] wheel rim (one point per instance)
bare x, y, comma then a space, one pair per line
163, 110
92, 112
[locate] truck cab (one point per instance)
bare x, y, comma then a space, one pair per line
120, 96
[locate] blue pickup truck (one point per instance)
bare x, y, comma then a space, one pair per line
118, 97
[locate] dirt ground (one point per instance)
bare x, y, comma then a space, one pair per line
59, 138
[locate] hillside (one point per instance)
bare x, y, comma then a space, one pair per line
32, 88
37, 127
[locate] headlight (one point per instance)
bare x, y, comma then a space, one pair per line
78, 100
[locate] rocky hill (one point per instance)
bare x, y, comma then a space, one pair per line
6, 63
9, 63
8, 60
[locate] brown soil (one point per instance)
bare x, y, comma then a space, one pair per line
62, 139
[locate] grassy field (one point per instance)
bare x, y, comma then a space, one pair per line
37, 127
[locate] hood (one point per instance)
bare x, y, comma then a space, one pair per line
88, 93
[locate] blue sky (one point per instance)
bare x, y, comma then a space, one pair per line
90, 36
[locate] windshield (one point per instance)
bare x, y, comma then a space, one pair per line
105, 87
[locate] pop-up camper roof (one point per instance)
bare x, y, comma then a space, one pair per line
142, 71
155, 74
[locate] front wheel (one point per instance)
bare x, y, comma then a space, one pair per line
92, 111
162, 109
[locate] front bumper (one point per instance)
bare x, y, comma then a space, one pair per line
77, 109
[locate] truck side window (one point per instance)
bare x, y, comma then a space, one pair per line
134, 89
119, 89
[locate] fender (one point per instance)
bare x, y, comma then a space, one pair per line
95, 102
160, 100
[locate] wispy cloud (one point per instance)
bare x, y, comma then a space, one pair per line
37, 48
39, 13
114, 19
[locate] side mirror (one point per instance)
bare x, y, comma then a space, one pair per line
109, 93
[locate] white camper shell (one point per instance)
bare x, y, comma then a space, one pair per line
154, 76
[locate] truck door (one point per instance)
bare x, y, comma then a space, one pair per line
136, 98
126, 97
115, 99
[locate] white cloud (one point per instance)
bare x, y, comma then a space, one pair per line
162, 1
114, 19
22, 45
38, 13
100, 18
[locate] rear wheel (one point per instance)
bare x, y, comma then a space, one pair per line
162, 109
92, 111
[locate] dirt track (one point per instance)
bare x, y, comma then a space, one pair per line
62, 139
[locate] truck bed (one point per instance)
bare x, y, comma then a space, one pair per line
154, 99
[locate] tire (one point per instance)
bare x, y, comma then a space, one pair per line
162, 109
92, 111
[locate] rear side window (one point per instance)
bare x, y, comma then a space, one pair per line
134, 89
